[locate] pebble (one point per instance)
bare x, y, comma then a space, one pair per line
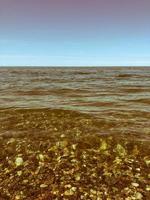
148, 188
73, 189
25, 181
103, 146
77, 177
138, 169
67, 186
19, 173
74, 146
120, 150
17, 197
62, 136
41, 157
93, 191
69, 192
43, 186
138, 196
12, 140
135, 184
19, 161
147, 162
62, 144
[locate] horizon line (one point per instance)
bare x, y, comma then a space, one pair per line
1, 66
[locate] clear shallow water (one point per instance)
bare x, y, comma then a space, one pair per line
74, 133
120, 97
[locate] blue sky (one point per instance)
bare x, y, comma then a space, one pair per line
74, 33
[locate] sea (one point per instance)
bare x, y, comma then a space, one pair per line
75, 133
118, 96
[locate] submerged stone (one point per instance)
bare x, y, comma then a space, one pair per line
19, 161
147, 161
103, 146
148, 188
138, 196
41, 157
120, 150
43, 186
19, 173
135, 184
69, 192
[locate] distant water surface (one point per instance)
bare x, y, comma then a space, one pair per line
119, 96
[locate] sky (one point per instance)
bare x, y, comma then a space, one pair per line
74, 32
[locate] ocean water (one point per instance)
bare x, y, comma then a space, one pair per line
74, 133
118, 97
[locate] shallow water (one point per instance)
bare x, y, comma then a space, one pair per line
74, 133
118, 97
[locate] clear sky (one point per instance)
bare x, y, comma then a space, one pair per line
74, 32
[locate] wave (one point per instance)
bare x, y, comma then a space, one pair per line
28, 121
41, 91
136, 89
142, 100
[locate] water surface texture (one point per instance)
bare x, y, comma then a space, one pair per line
85, 89
119, 96
75, 133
